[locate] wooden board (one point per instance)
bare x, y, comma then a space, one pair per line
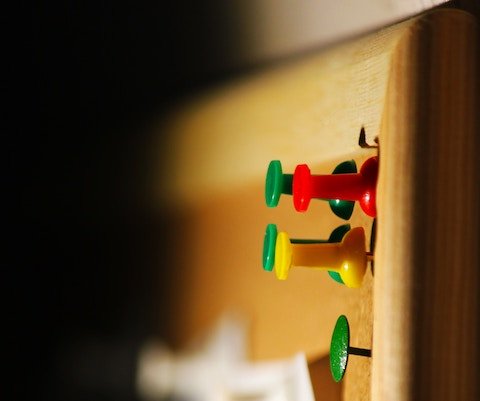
413, 86
426, 294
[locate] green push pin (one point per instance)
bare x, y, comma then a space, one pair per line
270, 240
278, 183
340, 349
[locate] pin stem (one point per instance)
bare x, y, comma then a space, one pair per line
360, 351
338, 186
322, 256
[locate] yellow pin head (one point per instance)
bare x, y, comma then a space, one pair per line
283, 256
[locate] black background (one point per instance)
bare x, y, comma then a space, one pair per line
83, 287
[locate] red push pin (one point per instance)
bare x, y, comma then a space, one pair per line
359, 187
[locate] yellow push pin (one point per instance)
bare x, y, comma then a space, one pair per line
349, 258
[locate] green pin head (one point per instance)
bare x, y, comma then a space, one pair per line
342, 208
337, 236
269, 242
276, 183
339, 348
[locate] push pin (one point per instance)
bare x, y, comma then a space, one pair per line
278, 183
359, 187
340, 349
362, 140
348, 258
270, 241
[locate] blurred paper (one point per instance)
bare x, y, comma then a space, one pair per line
215, 368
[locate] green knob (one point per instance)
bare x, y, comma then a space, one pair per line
340, 349
269, 242
276, 183
343, 208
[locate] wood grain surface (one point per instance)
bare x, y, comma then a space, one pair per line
426, 294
